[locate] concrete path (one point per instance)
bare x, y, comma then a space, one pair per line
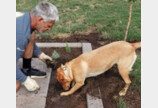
26, 99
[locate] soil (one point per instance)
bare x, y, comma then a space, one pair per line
53, 98
109, 83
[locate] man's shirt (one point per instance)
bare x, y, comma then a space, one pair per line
23, 32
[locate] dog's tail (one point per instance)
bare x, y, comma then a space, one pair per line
136, 45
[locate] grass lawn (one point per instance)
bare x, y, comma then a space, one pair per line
84, 16
121, 103
136, 73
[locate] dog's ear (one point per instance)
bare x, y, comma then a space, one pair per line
60, 77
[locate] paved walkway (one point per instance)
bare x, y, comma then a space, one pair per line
26, 99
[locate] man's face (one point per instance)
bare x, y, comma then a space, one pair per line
43, 26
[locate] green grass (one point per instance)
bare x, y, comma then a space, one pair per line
107, 16
121, 103
136, 74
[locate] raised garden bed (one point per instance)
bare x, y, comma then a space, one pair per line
53, 98
108, 84
104, 87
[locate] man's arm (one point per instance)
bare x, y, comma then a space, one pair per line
37, 52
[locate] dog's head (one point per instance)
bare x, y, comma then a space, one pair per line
62, 78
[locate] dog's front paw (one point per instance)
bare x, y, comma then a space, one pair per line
122, 93
64, 94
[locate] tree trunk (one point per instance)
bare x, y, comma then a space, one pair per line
129, 20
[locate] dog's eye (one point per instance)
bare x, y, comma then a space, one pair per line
65, 81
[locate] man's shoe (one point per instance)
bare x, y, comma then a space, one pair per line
33, 73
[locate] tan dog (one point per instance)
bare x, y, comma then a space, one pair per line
97, 62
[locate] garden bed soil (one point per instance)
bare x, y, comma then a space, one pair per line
109, 83
53, 97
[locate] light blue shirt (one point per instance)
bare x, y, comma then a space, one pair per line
23, 32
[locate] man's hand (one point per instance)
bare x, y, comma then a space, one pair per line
44, 57
31, 84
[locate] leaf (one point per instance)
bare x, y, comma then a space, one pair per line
68, 49
55, 55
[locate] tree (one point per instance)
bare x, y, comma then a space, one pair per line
129, 18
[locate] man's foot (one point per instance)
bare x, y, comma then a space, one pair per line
33, 73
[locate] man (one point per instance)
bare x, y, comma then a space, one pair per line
41, 19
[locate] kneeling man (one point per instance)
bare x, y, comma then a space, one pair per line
41, 19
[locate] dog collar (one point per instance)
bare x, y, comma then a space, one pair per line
65, 70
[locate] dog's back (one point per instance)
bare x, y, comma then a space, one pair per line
103, 58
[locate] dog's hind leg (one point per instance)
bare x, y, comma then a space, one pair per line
124, 66
127, 80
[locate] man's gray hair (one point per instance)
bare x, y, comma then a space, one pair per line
47, 11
